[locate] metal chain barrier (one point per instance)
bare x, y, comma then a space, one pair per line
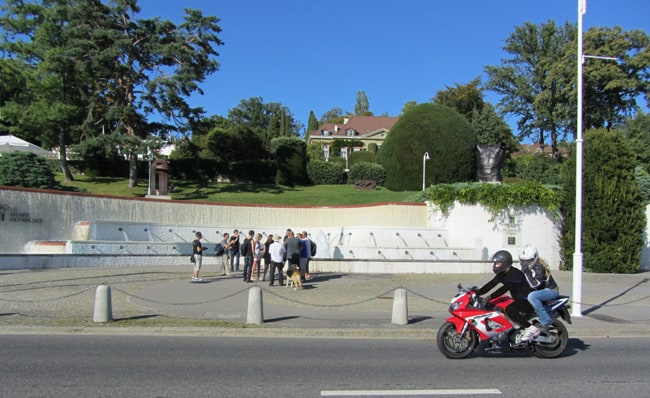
327, 305
47, 299
190, 303
275, 294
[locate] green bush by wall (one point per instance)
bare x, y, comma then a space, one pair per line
613, 209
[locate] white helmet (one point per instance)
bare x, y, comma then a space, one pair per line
527, 255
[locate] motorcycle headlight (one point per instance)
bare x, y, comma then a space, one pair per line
453, 306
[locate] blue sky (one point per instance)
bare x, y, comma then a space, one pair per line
318, 54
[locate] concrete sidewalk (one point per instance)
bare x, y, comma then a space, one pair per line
162, 300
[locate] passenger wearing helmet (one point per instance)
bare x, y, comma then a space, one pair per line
544, 286
513, 281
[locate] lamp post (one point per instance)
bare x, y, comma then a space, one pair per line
577, 255
149, 158
425, 157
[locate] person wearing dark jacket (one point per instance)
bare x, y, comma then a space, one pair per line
538, 276
512, 280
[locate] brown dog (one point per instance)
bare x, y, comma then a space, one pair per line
293, 277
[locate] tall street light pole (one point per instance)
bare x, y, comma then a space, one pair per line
577, 254
424, 169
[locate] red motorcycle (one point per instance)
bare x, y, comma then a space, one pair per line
478, 324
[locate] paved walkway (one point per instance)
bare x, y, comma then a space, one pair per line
162, 300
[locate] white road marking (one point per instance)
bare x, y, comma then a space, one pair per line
370, 393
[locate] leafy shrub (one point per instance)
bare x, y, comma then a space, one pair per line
538, 167
361, 156
25, 169
326, 173
495, 197
367, 171
613, 207
432, 128
258, 171
291, 159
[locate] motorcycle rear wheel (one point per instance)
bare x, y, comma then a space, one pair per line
555, 349
454, 345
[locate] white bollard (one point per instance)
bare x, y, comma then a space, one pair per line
103, 308
400, 308
255, 313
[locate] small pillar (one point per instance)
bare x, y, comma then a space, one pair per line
400, 308
255, 314
103, 308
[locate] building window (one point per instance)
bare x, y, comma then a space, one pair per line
350, 132
326, 133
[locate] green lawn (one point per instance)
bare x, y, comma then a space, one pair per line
317, 195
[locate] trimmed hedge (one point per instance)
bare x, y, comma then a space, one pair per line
329, 173
367, 171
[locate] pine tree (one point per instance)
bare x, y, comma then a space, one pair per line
312, 124
362, 108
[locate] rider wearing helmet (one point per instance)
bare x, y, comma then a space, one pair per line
540, 280
513, 281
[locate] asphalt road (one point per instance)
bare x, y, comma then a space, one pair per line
163, 366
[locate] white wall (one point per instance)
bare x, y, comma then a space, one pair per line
475, 226
31, 215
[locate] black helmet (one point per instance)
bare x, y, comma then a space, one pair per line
502, 261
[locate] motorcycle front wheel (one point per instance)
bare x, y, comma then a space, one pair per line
557, 347
455, 345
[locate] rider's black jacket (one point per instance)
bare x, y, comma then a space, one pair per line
512, 280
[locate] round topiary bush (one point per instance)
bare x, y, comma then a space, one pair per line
438, 130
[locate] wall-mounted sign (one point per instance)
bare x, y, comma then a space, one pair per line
9, 213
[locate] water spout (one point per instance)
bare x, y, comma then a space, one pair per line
434, 255
406, 253
372, 235
443, 239
124, 234
401, 238
381, 254
424, 239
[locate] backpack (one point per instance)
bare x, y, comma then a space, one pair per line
244, 247
313, 247
219, 250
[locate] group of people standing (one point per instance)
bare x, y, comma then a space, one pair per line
530, 287
260, 257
